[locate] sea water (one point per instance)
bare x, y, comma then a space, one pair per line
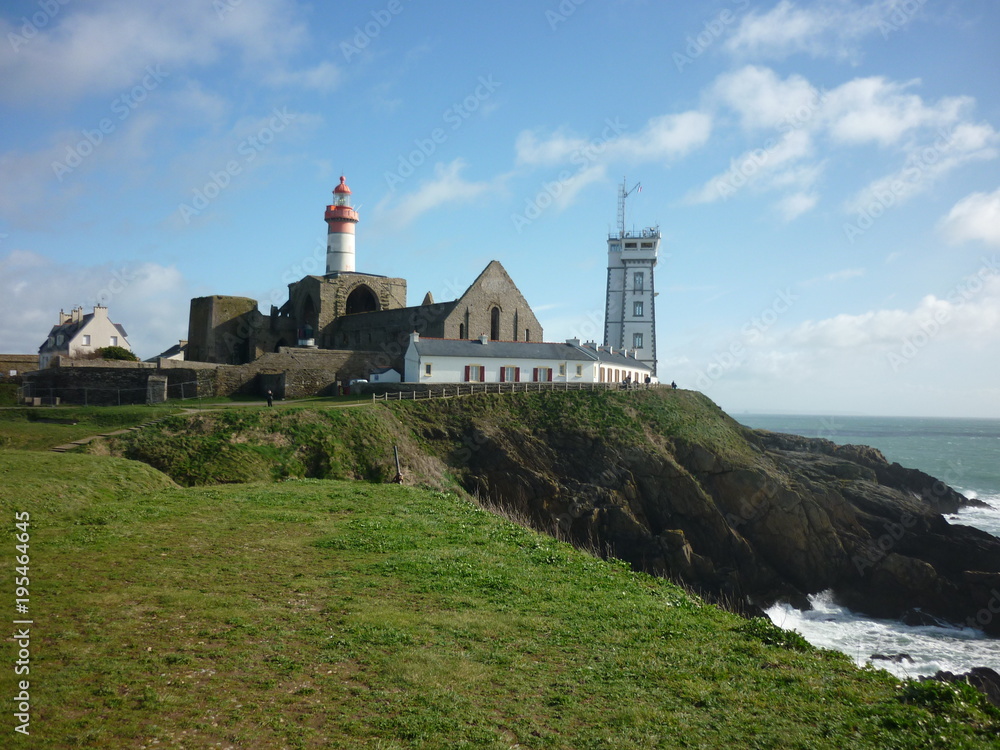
964, 453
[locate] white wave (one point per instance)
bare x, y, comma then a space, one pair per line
929, 648
987, 519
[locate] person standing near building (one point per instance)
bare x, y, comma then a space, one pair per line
270, 398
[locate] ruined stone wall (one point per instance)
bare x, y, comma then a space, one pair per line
473, 310
222, 329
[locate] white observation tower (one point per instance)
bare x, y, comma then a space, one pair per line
630, 313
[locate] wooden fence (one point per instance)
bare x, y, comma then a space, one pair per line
469, 389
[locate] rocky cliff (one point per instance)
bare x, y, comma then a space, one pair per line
670, 483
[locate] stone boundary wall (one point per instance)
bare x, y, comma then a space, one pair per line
112, 386
290, 373
21, 362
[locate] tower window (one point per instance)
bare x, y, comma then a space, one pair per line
461, 330
637, 309
638, 281
495, 324
637, 341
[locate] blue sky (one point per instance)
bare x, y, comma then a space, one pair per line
825, 174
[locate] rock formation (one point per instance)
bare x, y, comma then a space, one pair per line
769, 517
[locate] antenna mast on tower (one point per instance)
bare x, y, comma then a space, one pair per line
623, 193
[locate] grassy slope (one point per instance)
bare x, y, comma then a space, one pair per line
344, 614
20, 428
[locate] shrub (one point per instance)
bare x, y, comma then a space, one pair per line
116, 352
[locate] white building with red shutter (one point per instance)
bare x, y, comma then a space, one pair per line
487, 361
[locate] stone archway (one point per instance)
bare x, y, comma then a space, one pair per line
361, 300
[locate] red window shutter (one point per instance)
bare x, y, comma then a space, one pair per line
550, 374
534, 374
503, 374
466, 373
517, 374
482, 374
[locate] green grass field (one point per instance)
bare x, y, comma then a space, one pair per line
345, 614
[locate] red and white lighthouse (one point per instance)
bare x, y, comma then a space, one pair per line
340, 218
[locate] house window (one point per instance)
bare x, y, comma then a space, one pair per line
637, 341
637, 309
637, 281
562, 370
543, 374
510, 374
427, 368
579, 371
475, 374
86, 340
114, 341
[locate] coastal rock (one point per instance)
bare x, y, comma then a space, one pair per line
769, 517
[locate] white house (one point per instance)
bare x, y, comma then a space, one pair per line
485, 361
77, 334
385, 375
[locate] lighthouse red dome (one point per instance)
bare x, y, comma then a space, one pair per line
342, 187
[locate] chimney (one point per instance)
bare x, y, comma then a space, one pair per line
414, 337
573, 342
76, 314
100, 311
484, 339
63, 317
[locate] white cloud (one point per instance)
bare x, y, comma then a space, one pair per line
792, 206
762, 99
324, 77
827, 28
663, 138
447, 187
150, 300
556, 149
875, 110
926, 164
975, 217
105, 47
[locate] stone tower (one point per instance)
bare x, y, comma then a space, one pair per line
630, 313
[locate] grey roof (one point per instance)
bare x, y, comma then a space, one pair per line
473, 349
